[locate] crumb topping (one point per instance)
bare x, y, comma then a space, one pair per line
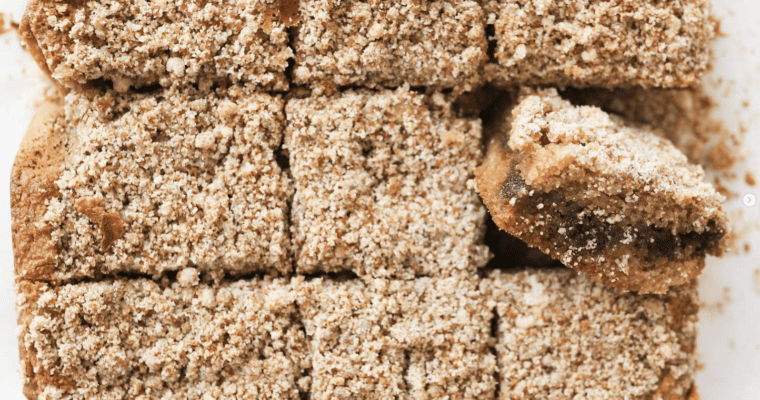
439, 44
380, 339
137, 42
383, 185
171, 179
561, 334
600, 43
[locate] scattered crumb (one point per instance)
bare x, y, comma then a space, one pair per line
731, 344
757, 281
5, 25
722, 156
746, 248
750, 179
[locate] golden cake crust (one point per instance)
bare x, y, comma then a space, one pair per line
37, 166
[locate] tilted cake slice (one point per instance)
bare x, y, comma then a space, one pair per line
437, 44
149, 183
383, 185
604, 43
388, 339
603, 197
137, 43
138, 339
560, 334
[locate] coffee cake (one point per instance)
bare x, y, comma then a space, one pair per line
437, 44
562, 335
605, 43
603, 197
383, 185
136, 339
389, 339
142, 42
154, 182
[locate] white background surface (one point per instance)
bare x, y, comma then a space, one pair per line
729, 337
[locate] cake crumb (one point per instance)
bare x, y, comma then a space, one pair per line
188, 277
5, 23
749, 178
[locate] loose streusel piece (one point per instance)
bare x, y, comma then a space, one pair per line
561, 335
153, 182
139, 42
603, 197
135, 339
438, 44
383, 185
387, 339
600, 43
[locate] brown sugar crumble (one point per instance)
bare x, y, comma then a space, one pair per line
383, 185
137, 43
160, 181
134, 339
601, 196
437, 44
601, 43
561, 334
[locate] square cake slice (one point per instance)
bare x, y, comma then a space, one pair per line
600, 43
383, 185
562, 335
136, 339
438, 44
142, 42
387, 339
606, 198
153, 182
